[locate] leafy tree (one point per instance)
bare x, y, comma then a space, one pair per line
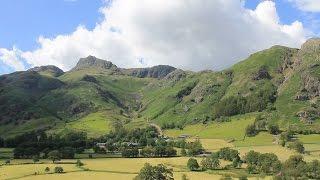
314, 169
58, 170
79, 163
195, 148
147, 151
184, 177
273, 129
228, 154
210, 163
67, 153
266, 163
183, 152
251, 130
297, 145
159, 172
35, 159
295, 167
54, 156
130, 152
193, 164
236, 162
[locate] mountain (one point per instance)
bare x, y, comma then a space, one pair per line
48, 70
280, 84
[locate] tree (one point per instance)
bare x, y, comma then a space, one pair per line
297, 145
193, 164
147, 151
184, 177
210, 163
159, 172
195, 148
58, 169
54, 155
295, 167
79, 163
251, 130
183, 152
47, 169
273, 129
130, 152
35, 159
236, 162
67, 153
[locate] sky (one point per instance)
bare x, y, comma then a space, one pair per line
192, 35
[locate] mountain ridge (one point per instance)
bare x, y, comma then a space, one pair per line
280, 83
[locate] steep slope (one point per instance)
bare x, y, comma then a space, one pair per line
298, 99
280, 83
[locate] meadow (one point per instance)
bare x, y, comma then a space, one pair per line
107, 168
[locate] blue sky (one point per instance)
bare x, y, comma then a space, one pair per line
23, 22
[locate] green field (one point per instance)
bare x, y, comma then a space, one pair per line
114, 168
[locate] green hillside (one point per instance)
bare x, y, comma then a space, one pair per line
280, 84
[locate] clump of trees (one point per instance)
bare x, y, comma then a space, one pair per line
296, 168
210, 163
256, 101
261, 124
32, 144
159, 172
267, 163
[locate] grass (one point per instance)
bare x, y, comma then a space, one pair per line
226, 130
95, 124
113, 168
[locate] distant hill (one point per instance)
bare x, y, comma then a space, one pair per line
280, 83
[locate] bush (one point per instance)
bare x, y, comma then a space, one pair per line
193, 164
273, 129
210, 163
79, 163
297, 146
58, 170
251, 130
47, 169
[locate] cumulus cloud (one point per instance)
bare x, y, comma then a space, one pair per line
307, 5
188, 34
11, 58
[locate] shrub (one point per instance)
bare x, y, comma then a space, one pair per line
297, 146
193, 164
210, 163
273, 129
58, 170
79, 163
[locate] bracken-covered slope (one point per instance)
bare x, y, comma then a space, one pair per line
281, 83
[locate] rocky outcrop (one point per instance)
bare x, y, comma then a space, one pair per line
50, 70
93, 62
310, 87
176, 75
261, 74
159, 71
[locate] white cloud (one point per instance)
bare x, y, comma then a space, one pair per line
307, 5
196, 35
11, 58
